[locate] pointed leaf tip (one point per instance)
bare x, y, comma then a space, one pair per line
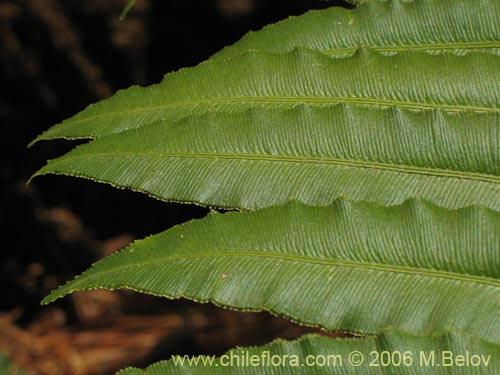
272, 259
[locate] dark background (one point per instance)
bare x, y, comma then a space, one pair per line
56, 57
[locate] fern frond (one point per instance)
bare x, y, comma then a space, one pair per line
353, 267
390, 26
410, 355
264, 80
261, 157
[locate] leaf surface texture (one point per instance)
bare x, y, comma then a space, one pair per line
265, 80
354, 267
435, 26
263, 157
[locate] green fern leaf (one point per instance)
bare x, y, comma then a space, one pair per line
456, 26
353, 267
263, 80
413, 355
263, 157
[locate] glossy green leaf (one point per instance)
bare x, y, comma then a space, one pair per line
263, 157
455, 26
264, 80
354, 267
315, 355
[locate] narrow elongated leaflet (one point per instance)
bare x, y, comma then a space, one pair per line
353, 266
392, 353
265, 80
263, 157
435, 26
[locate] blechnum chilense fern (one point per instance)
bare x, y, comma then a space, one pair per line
361, 150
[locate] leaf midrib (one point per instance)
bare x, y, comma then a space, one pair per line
298, 100
417, 47
446, 173
483, 280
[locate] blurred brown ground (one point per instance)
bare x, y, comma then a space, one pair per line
56, 57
